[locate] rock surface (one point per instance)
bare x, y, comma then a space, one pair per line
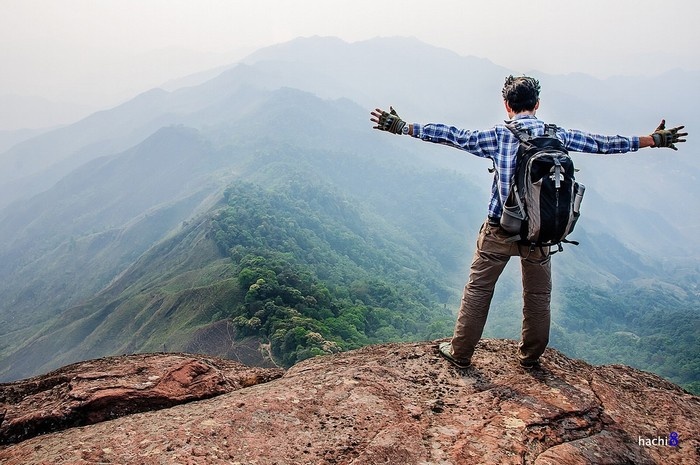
403, 404
108, 388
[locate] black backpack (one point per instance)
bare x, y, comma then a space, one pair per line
543, 205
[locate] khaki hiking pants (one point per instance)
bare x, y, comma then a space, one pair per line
491, 256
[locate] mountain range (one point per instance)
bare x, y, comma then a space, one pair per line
141, 227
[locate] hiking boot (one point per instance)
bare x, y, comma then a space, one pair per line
445, 349
530, 364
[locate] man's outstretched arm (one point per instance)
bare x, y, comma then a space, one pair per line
480, 143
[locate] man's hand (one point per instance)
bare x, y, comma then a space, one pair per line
390, 121
668, 137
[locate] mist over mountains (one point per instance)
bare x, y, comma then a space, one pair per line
117, 232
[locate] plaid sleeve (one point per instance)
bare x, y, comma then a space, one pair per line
579, 141
479, 143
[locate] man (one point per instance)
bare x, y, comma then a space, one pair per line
493, 247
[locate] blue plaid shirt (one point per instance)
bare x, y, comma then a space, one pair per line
501, 146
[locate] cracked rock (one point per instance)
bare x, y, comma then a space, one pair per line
397, 404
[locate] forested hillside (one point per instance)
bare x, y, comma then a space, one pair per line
315, 282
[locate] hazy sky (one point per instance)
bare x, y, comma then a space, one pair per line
98, 52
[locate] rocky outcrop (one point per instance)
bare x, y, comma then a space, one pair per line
404, 404
104, 389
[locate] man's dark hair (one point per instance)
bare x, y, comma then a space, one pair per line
521, 93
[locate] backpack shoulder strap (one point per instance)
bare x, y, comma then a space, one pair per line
522, 136
551, 130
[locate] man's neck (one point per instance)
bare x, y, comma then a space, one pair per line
522, 114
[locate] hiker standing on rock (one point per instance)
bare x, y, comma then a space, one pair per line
504, 145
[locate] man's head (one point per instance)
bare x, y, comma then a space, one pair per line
521, 94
